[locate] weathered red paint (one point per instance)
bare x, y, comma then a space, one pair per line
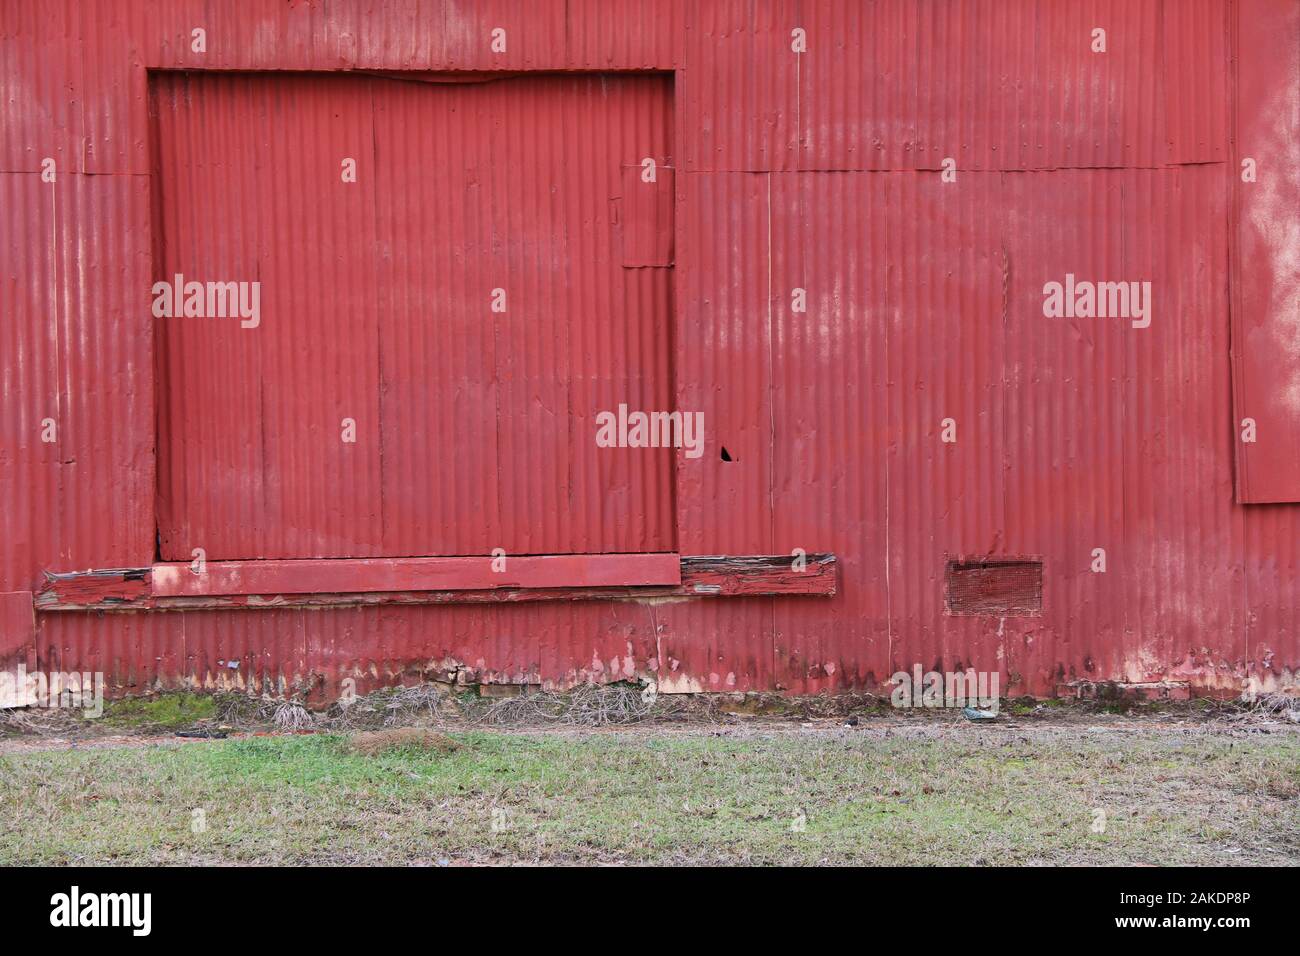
646, 215
458, 312
606, 577
104, 588
817, 171
416, 574
17, 627
731, 576
1265, 277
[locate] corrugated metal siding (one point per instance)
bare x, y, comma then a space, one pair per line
1266, 280
474, 429
1265, 271
994, 84
555, 644
75, 352
251, 460
812, 170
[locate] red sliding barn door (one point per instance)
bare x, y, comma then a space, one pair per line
444, 308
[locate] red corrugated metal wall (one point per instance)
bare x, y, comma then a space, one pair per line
471, 427
818, 171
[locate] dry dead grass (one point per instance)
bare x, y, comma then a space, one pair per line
374, 742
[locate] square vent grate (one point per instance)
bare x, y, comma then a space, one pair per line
994, 587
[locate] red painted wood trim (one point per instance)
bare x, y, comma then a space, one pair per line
742, 575
111, 587
700, 577
416, 574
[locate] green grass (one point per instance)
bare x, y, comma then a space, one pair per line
967, 797
165, 711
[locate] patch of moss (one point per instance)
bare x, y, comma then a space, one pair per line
163, 711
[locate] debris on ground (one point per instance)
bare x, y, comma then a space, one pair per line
292, 716
205, 733
1269, 707
417, 705
446, 706
588, 705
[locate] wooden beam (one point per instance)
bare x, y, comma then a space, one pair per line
416, 574
111, 587
700, 577
741, 575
